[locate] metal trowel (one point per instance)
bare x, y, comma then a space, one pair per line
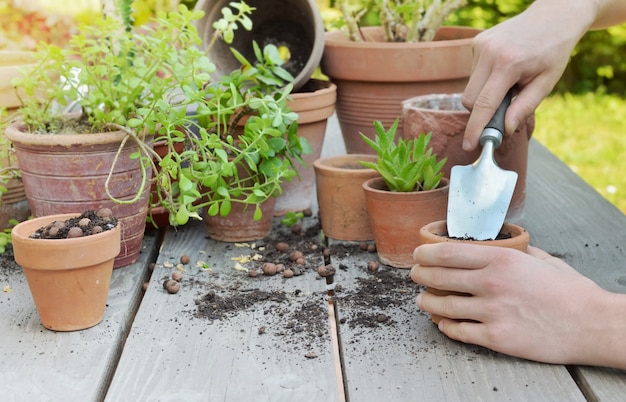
480, 193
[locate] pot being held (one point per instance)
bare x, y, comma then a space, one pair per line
511, 236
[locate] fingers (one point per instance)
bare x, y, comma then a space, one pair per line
458, 307
455, 255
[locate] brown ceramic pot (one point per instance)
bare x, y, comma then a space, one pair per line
444, 116
65, 173
437, 232
340, 197
13, 204
69, 278
314, 103
239, 225
396, 218
374, 77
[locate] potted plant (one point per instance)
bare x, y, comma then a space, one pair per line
510, 236
376, 68
340, 197
13, 201
410, 193
159, 74
119, 80
68, 262
445, 116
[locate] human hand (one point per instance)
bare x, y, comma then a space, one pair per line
529, 51
530, 305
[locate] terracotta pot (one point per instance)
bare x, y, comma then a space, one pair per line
314, 103
374, 77
437, 232
12, 62
340, 197
64, 173
69, 278
239, 225
294, 24
396, 218
445, 117
13, 204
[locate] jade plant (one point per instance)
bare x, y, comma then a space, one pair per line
405, 165
402, 20
154, 81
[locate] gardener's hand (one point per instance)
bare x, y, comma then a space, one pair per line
529, 51
528, 305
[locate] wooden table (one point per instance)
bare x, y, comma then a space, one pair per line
373, 346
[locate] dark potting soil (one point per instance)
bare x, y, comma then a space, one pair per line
86, 224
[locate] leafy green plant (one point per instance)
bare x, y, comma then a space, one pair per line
405, 165
402, 20
240, 137
291, 218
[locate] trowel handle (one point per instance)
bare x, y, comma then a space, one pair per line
497, 122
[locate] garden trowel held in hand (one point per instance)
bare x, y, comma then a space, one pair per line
480, 193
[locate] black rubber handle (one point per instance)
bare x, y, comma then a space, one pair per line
497, 121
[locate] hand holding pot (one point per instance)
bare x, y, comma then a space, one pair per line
531, 305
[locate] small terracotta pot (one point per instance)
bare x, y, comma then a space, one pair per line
340, 197
437, 232
239, 225
444, 116
69, 278
314, 103
396, 218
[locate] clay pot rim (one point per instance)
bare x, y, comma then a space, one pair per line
410, 104
369, 186
438, 228
16, 133
339, 38
330, 163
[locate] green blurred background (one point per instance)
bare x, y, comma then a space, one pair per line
583, 122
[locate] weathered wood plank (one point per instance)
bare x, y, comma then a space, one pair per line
172, 354
568, 218
403, 357
41, 365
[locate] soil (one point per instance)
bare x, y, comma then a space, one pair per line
370, 302
86, 224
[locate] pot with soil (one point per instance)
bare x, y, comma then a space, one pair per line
510, 236
342, 207
445, 117
68, 276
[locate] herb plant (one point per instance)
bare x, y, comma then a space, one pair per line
405, 165
154, 80
403, 20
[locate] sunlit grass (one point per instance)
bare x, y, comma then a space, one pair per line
588, 133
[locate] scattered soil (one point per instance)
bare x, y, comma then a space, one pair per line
88, 223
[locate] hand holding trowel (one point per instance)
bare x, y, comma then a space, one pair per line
480, 193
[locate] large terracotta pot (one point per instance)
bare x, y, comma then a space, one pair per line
340, 197
294, 24
374, 77
444, 116
314, 103
239, 225
69, 278
65, 173
397, 217
511, 236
